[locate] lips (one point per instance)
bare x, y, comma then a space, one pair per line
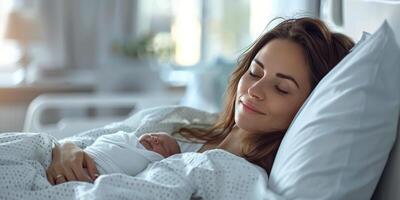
250, 107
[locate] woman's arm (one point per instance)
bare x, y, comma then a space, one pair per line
69, 158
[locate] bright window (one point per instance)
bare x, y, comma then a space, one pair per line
9, 53
202, 30
226, 27
186, 31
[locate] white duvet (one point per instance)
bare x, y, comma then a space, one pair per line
214, 174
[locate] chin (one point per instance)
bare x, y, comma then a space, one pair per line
253, 126
247, 125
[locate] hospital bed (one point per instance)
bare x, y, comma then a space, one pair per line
63, 115
351, 17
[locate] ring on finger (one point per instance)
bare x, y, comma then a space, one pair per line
59, 176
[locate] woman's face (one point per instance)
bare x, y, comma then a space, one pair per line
273, 89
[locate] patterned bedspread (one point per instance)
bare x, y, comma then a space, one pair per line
214, 174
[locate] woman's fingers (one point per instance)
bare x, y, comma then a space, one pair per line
91, 166
50, 178
68, 164
68, 173
59, 179
57, 174
80, 174
51, 171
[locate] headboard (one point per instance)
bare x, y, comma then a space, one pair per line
352, 17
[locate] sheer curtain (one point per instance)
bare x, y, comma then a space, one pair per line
78, 34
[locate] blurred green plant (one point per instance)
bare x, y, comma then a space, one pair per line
159, 46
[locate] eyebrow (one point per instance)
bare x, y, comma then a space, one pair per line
280, 75
258, 62
287, 77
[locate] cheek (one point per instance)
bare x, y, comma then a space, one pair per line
158, 149
285, 112
239, 92
240, 86
280, 115
243, 86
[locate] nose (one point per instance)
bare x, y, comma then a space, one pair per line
155, 139
256, 91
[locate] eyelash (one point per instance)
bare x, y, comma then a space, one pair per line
253, 75
276, 87
281, 91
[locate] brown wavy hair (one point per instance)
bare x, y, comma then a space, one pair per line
322, 50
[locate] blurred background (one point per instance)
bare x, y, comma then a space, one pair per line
70, 65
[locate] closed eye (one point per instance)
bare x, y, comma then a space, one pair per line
280, 90
253, 75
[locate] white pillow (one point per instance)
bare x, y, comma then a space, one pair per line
339, 141
364, 37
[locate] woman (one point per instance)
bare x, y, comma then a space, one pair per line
272, 80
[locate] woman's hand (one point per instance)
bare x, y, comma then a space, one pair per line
68, 164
